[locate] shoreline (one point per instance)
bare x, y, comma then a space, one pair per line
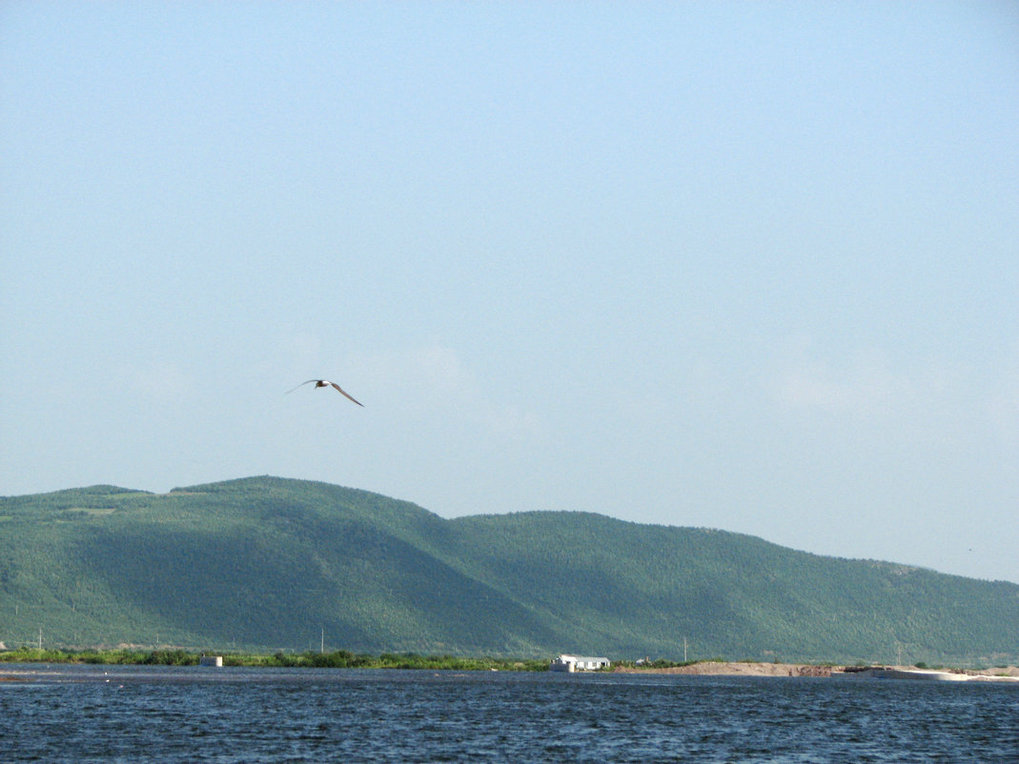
881, 671
1006, 674
124, 655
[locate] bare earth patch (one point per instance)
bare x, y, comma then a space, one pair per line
739, 668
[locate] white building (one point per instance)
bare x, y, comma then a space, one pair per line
578, 663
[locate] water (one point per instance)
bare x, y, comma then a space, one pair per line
191, 714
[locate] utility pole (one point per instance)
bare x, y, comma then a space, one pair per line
322, 644
40, 637
684, 649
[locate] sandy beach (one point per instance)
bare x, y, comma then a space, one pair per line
739, 668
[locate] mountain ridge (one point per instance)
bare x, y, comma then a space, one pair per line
275, 563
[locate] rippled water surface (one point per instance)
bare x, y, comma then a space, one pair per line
89, 713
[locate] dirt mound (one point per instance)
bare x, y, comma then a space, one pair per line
749, 668
737, 668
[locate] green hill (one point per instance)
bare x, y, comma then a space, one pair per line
267, 563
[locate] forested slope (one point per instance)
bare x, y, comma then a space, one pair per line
273, 564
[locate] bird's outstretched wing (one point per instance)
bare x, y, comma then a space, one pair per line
347, 394
300, 385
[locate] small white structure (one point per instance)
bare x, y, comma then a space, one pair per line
573, 663
211, 660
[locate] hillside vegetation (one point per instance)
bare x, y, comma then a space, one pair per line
273, 564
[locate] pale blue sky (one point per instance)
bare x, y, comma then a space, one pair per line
751, 266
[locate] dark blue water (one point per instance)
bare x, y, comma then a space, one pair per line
250, 715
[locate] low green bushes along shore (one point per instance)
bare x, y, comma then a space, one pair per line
309, 659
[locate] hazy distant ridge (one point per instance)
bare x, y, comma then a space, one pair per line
271, 563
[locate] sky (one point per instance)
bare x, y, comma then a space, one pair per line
747, 266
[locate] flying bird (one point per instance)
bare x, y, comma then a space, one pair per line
327, 383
